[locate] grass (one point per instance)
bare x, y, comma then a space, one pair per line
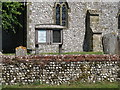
71, 53
8, 53
67, 53
72, 85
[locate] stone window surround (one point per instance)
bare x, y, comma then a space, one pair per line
61, 5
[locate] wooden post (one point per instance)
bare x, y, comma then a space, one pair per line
60, 48
36, 49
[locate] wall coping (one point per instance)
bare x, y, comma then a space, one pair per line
59, 58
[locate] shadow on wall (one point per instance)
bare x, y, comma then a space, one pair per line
119, 33
118, 44
88, 39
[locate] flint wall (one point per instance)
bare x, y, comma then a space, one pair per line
59, 69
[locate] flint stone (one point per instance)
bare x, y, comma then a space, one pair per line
110, 43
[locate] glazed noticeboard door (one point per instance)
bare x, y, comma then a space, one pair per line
42, 36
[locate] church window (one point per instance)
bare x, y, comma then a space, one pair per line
61, 13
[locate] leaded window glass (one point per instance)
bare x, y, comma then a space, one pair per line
58, 14
61, 13
64, 16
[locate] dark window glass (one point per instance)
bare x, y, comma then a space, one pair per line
58, 15
64, 11
60, 2
56, 36
119, 21
61, 14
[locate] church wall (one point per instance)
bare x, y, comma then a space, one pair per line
73, 36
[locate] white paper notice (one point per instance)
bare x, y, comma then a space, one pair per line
41, 36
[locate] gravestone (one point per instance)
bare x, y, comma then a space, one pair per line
110, 43
21, 51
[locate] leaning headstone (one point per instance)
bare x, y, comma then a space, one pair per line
110, 43
21, 51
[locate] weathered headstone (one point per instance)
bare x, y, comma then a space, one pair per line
110, 43
21, 51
